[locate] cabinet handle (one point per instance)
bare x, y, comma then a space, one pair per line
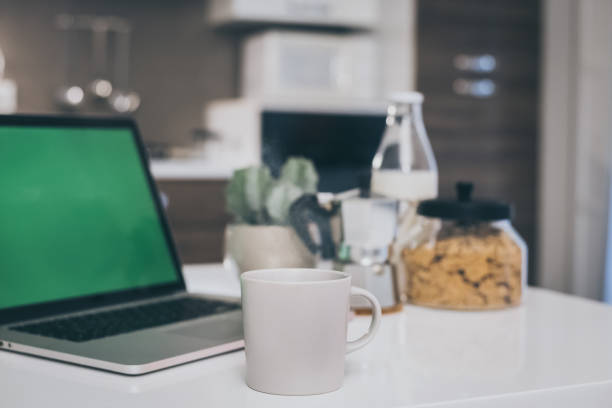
477, 88
481, 63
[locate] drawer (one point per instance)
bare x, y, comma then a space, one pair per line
194, 203
197, 217
200, 246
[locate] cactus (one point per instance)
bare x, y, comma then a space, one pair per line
280, 198
302, 173
246, 194
253, 196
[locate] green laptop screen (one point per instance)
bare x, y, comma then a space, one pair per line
76, 215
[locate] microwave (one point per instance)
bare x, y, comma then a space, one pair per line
340, 138
298, 65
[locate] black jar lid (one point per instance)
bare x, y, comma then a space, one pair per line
464, 209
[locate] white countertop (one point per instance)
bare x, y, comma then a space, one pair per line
189, 169
555, 350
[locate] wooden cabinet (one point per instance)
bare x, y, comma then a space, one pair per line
197, 217
485, 132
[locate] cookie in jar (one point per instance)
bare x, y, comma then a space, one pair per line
475, 260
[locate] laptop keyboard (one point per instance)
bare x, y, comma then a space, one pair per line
93, 326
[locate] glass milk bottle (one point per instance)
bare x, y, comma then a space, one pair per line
404, 168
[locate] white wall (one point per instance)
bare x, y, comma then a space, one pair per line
396, 36
576, 145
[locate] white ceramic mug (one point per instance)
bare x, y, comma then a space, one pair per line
295, 324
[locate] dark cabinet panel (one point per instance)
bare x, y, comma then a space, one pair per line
196, 212
489, 139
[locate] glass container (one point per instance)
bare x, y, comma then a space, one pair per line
404, 167
474, 260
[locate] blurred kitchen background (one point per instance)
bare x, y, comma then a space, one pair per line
518, 99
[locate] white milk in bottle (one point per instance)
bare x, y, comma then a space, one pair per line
404, 168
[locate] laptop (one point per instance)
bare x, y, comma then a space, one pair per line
89, 273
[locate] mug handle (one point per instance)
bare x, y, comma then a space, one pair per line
374, 324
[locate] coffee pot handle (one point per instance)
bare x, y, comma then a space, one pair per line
305, 210
374, 324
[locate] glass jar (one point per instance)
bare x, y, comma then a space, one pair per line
474, 260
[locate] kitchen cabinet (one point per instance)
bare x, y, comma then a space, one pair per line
478, 66
339, 14
197, 217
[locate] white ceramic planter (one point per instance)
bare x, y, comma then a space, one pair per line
249, 247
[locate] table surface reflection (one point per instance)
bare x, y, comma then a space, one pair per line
553, 350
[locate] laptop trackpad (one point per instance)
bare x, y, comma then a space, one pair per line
218, 330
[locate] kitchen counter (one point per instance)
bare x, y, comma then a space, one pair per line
555, 350
189, 169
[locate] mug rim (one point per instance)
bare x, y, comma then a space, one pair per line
250, 276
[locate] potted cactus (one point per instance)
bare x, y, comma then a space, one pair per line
261, 236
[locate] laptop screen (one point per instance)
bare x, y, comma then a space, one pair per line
76, 215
